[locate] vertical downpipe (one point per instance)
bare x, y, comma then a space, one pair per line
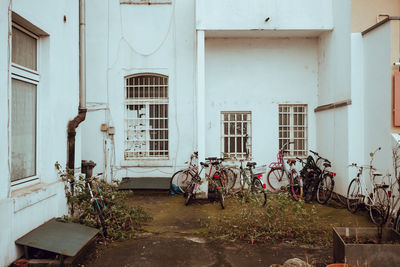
73, 124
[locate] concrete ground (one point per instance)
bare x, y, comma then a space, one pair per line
173, 238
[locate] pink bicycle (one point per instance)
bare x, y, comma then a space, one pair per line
281, 179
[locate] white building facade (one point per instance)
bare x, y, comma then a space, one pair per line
236, 72
39, 82
169, 77
172, 77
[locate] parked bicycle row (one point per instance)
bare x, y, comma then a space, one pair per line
221, 179
315, 180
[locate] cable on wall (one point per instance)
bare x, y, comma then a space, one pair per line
8, 95
132, 46
175, 93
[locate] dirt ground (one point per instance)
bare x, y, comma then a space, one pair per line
173, 238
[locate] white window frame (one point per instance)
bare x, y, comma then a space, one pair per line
243, 137
147, 127
145, 2
31, 76
289, 131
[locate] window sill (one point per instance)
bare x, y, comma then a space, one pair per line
146, 163
30, 195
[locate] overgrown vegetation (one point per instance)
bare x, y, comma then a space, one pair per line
120, 221
281, 220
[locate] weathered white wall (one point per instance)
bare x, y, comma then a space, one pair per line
334, 85
24, 207
356, 110
251, 14
377, 96
130, 39
257, 75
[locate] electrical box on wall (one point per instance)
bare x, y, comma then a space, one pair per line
111, 130
104, 127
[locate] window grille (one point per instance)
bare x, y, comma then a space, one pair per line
293, 128
24, 82
146, 117
236, 134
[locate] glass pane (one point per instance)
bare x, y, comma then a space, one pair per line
24, 50
23, 130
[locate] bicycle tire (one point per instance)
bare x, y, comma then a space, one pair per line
295, 189
277, 179
180, 181
189, 194
100, 217
354, 197
230, 178
220, 194
244, 178
325, 189
379, 212
396, 225
258, 192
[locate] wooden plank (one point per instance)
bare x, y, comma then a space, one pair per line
333, 105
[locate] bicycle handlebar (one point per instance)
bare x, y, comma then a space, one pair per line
315, 153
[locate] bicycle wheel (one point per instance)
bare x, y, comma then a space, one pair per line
396, 225
244, 178
295, 187
220, 193
189, 193
277, 180
379, 211
258, 192
180, 181
97, 207
325, 188
230, 178
354, 196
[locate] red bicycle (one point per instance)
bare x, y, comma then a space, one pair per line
281, 179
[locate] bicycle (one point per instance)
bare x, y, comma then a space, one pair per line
180, 179
97, 203
253, 181
326, 181
376, 200
281, 179
214, 180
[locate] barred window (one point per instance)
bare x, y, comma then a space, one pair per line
293, 128
236, 134
146, 117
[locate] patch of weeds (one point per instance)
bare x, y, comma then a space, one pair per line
282, 219
120, 221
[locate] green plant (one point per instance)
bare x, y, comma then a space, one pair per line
281, 220
120, 221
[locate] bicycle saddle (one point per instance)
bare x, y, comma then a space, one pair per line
291, 161
204, 164
251, 164
327, 165
377, 174
215, 163
211, 158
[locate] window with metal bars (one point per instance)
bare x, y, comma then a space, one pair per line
236, 134
293, 128
146, 117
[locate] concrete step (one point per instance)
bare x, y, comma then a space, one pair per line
145, 183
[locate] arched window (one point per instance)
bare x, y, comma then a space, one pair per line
146, 116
